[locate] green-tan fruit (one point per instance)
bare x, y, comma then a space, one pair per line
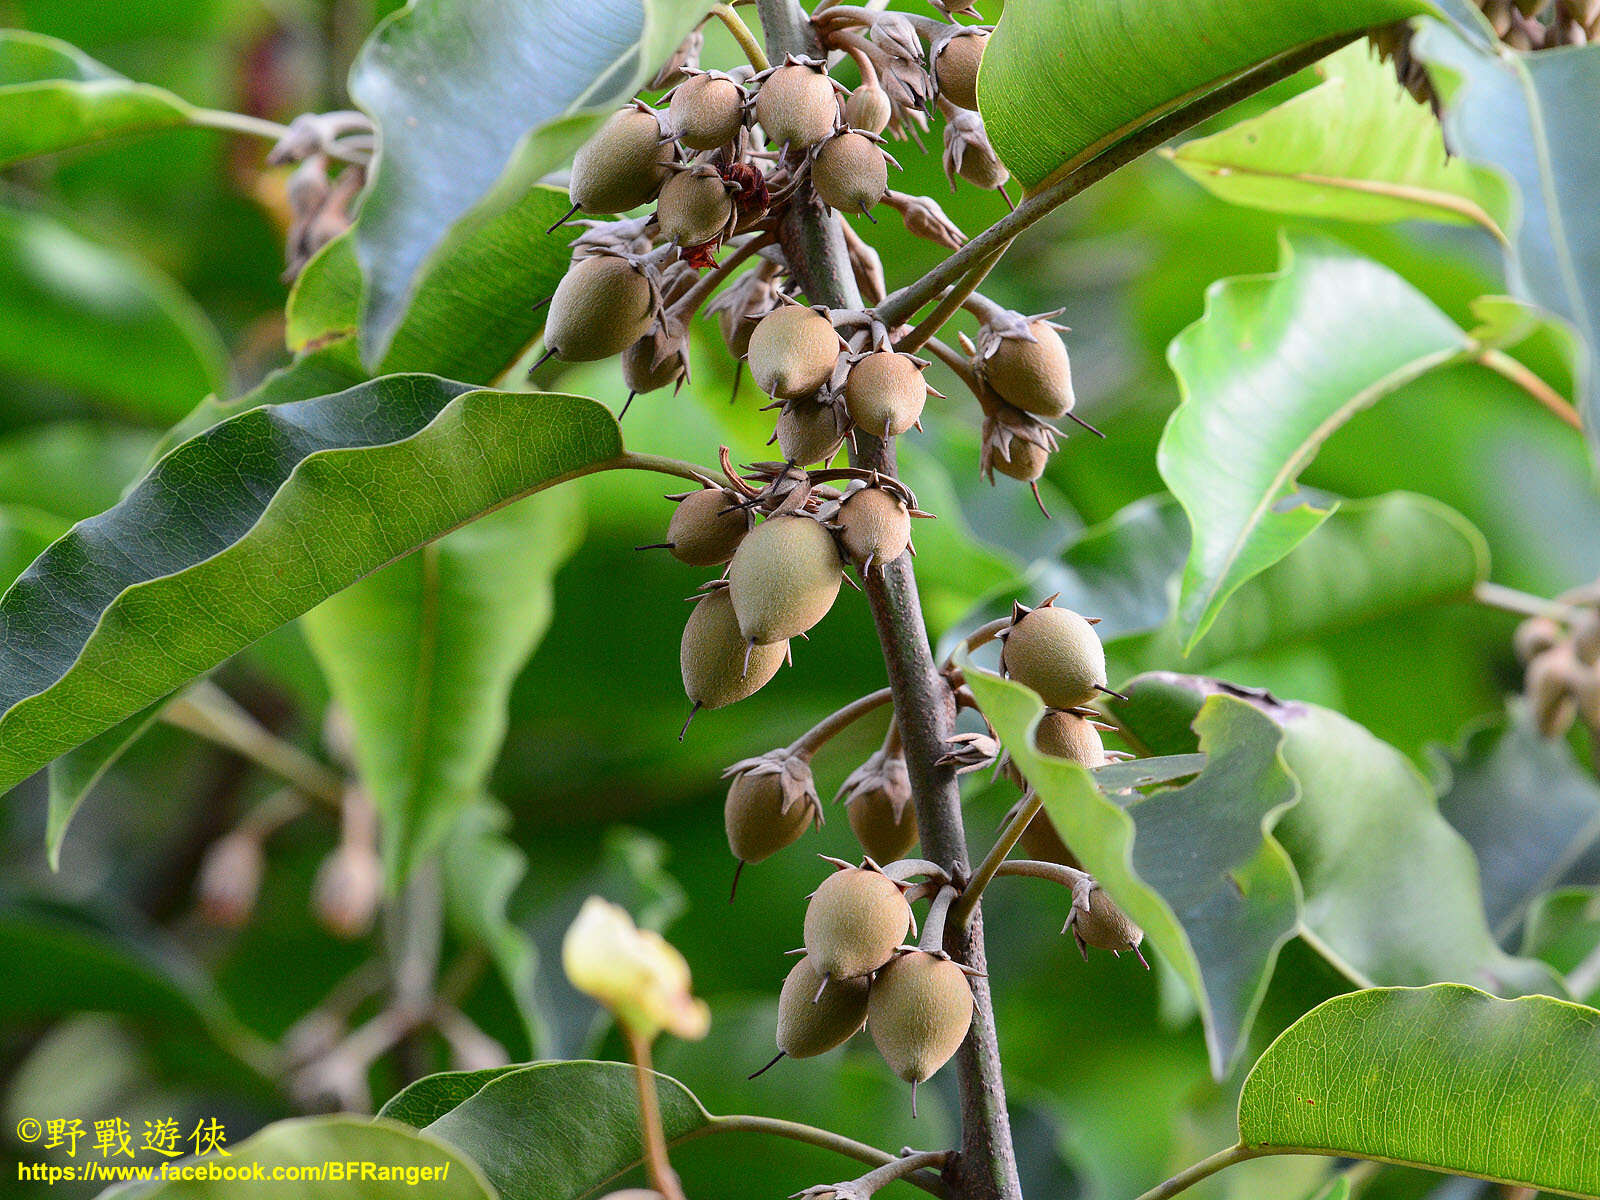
1033, 376
705, 530
642, 373
784, 578
1027, 462
792, 352
712, 655
755, 820
868, 108
797, 107
601, 307
883, 837
1103, 925
855, 922
884, 393
1066, 735
955, 69
707, 111
622, 166
809, 432
694, 207
919, 1013
850, 173
1055, 652
874, 527
809, 1024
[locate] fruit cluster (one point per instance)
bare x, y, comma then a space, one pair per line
1562, 663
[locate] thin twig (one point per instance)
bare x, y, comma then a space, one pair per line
952, 302
742, 35
662, 1176
824, 1139
1206, 1167
1009, 836
1522, 604
818, 735
207, 711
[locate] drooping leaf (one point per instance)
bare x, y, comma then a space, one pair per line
1196, 866
53, 96
1528, 809
74, 775
422, 654
251, 524
1391, 890
1442, 1077
97, 325
475, 103
1278, 363
376, 1161
1356, 147
562, 1130
1061, 83
1527, 115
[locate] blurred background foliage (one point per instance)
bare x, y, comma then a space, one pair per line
137, 278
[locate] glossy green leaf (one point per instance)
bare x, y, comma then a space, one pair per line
53, 97
1195, 866
253, 523
98, 325
388, 1162
76, 773
1443, 1077
422, 655
1061, 83
475, 103
1356, 147
562, 1130
1529, 116
427, 1099
1278, 363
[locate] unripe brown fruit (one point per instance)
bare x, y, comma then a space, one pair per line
707, 111
601, 307
622, 166
1041, 840
1055, 652
713, 655
792, 352
1103, 925
981, 167
868, 108
811, 1024
855, 922
808, 432
642, 373
1027, 461
754, 817
1067, 735
784, 578
919, 1013
1033, 376
883, 835
705, 529
347, 890
874, 527
230, 879
797, 106
850, 173
955, 67
885, 392
694, 207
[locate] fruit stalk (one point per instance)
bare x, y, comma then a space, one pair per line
813, 242
662, 1177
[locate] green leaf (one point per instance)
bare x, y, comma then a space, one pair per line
253, 523
53, 96
389, 1161
99, 325
1443, 1077
1356, 147
427, 1099
475, 103
1528, 115
562, 1130
422, 656
76, 773
1196, 866
1061, 83
1278, 363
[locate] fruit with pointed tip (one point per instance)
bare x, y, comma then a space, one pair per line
643, 373
811, 1024
868, 108
707, 111
885, 392
1055, 652
850, 172
756, 820
1026, 460
1034, 376
919, 1012
1098, 922
808, 432
622, 166
797, 106
1067, 735
792, 352
601, 307
694, 207
713, 655
783, 578
706, 529
855, 922
884, 834
874, 526
955, 66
